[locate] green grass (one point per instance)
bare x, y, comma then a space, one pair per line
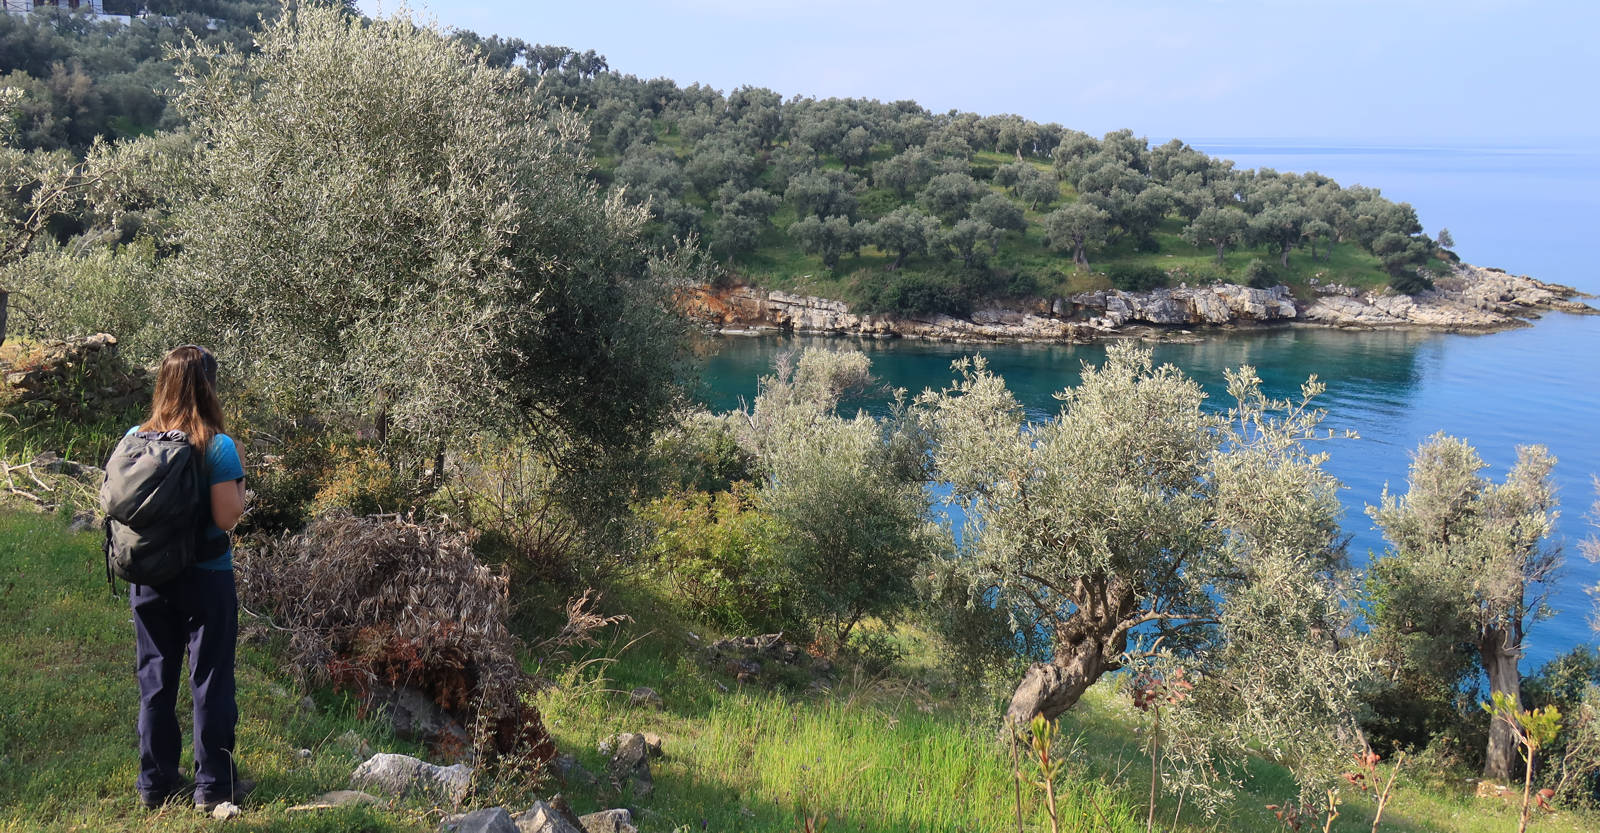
891, 753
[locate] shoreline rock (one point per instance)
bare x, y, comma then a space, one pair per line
1471, 299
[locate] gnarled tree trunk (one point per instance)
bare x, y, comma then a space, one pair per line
1500, 649
1087, 645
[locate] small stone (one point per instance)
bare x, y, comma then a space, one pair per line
608, 821
305, 754
542, 818
308, 705
631, 765
82, 522
226, 810
652, 742
644, 696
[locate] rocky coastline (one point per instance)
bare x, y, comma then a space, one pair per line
1471, 299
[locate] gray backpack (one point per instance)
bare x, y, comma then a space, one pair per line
157, 504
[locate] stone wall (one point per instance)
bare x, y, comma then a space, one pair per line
73, 380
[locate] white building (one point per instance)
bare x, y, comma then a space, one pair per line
24, 6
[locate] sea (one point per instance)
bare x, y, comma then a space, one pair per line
1530, 210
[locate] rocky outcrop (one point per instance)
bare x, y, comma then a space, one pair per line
1469, 299
1472, 299
1215, 305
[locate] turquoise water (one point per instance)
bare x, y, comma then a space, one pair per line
1535, 385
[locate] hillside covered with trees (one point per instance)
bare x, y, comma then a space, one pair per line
896, 208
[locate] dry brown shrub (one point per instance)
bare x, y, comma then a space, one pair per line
386, 599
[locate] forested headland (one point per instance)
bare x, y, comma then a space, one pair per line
490, 525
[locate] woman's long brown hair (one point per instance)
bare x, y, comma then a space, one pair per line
185, 400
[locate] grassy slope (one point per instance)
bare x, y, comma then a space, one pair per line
873, 755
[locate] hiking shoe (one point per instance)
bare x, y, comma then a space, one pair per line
208, 802
155, 800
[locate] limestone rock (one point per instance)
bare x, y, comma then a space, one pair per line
542, 818
226, 810
403, 775
609, 821
488, 820
82, 522
1470, 299
630, 765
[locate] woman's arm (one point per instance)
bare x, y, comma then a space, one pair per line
227, 503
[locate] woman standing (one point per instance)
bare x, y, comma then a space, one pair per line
197, 611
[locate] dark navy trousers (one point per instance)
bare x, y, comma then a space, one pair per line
197, 612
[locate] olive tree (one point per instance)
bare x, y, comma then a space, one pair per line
1143, 532
906, 232
1219, 227
1465, 558
380, 223
1077, 228
847, 493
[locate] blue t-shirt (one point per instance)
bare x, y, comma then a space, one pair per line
222, 458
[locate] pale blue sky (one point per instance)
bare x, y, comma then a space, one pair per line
1406, 70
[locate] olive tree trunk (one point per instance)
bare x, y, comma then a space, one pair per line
1501, 648
1088, 644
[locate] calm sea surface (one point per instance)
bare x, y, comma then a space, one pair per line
1528, 210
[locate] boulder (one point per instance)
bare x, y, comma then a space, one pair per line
543, 818
630, 765
608, 821
403, 775
488, 820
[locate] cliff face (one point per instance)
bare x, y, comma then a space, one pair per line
1472, 299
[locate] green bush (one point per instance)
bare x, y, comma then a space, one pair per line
361, 482
1259, 275
717, 550
701, 454
1137, 278
1410, 282
909, 292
